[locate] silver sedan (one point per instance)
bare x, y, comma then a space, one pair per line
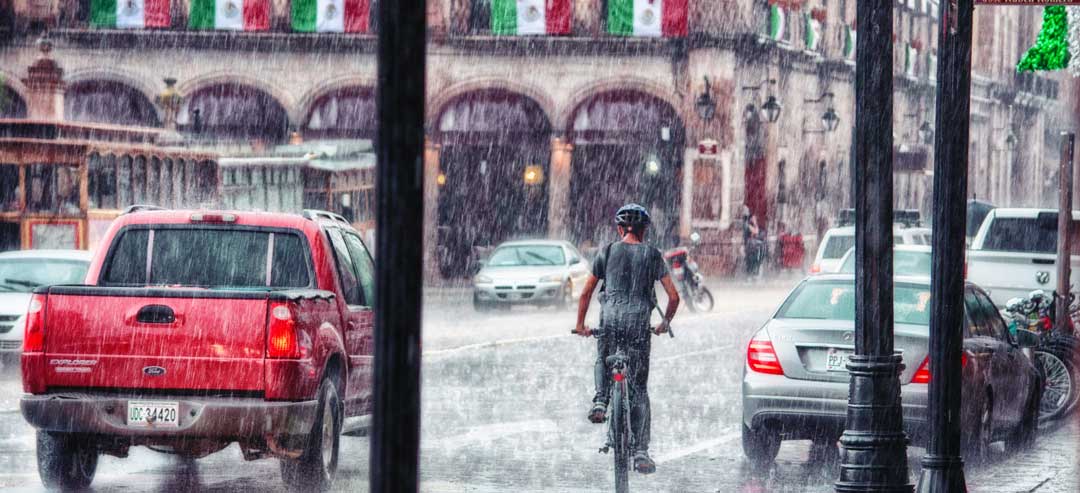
795, 380
534, 272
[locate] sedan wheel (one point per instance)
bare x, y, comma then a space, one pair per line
566, 298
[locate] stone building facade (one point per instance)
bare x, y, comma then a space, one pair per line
543, 135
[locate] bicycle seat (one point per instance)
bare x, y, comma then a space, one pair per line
615, 359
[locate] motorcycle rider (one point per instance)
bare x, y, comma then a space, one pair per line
630, 270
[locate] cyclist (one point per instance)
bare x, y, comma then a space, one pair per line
630, 270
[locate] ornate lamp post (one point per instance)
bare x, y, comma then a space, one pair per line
770, 110
705, 104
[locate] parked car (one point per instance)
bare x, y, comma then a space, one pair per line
197, 329
1015, 252
795, 381
908, 260
533, 272
837, 241
22, 271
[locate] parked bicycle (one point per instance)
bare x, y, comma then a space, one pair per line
1055, 356
619, 434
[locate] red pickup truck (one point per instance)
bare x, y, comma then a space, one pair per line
197, 329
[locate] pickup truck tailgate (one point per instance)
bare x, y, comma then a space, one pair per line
1007, 274
98, 337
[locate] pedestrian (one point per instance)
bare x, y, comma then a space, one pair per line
630, 270
750, 239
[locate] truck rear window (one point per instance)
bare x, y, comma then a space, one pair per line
1027, 235
203, 257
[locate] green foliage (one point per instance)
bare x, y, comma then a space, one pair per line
1051, 50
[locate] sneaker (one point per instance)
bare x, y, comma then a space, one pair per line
643, 463
598, 412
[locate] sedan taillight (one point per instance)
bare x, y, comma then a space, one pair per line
761, 357
922, 375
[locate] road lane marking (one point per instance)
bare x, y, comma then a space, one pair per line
491, 344
699, 447
695, 353
490, 432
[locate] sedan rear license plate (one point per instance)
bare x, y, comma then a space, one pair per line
152, 414
836, 360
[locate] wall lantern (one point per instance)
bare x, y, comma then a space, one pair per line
652, 165
440, 179
829, 120
705, 104
534, 175
770, 111
1011, 140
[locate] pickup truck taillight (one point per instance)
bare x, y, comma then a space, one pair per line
281, 340
34, 333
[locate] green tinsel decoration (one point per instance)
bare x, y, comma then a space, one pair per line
1051, 50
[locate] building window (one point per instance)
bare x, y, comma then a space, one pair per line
781, 183
480, 16
822, 181
9, 188
53, 188
102, 182
708, 190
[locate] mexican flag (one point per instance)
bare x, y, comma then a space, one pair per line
811, 32
530, 17
331, 16
849, 42
777, 22
232, 15
656, 18
129, 14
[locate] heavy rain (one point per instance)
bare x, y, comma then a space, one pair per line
575, 245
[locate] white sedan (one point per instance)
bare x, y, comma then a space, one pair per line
20, 273
531, 272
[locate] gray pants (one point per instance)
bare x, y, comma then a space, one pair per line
637, 345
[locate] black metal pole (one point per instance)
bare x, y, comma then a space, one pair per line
942, 467
395, 433
1065, 187
874, 456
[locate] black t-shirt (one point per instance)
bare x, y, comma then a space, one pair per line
630, 272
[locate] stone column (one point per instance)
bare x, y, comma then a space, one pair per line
45, 87
559, 188
431, 209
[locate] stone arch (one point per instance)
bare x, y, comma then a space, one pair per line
323, 88
280, 96
564, 117
344, 108
18, 91
234, 110
438, 102
103, 97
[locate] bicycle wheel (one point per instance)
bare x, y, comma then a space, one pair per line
620, 435
703, 299
1059, 385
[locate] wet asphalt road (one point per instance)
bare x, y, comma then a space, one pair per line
504, 399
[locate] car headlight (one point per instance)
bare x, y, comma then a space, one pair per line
552, 278
482, 279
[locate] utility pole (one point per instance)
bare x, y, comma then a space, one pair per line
1064, 228
942, 467
395, 433
874, 446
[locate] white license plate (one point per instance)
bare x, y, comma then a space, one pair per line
153, 414
836, 360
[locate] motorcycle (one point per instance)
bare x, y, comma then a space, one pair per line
1055, 356
685, 272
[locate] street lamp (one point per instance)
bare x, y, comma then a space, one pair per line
705, 104
829, 120
770, 110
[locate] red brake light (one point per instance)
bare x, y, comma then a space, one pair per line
34, 333
815, 268
922, 375
761, 357
618, 377
202, 217
281, 341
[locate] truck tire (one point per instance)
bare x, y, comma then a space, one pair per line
66, 461
316, 468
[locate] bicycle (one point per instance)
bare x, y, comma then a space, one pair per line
619, 435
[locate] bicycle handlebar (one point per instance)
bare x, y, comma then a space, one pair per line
601, 332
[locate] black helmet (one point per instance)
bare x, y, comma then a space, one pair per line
632, 215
